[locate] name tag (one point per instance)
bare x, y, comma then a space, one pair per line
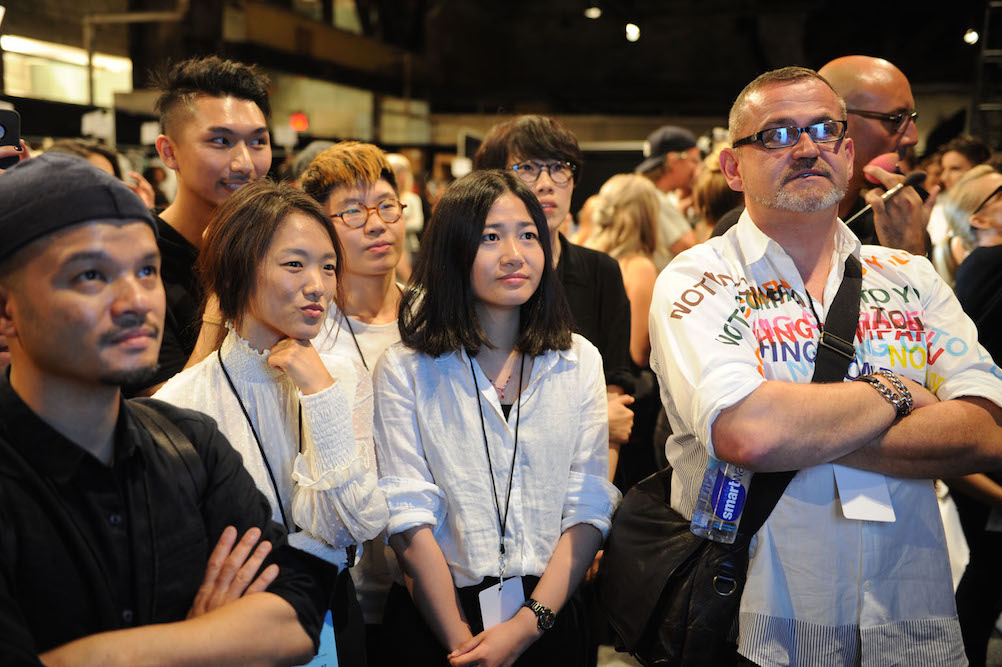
864, 495
501, 601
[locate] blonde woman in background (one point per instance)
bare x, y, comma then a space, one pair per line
712, 197
625, 216
625, 219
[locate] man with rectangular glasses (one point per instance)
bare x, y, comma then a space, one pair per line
851, 565
881, 119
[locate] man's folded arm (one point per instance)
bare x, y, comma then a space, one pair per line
258, 629
789, 426
947, 439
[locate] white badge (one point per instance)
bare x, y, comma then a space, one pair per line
864, 494
327, 655
500, 602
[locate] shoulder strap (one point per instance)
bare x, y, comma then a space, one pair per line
835, 352
176, 445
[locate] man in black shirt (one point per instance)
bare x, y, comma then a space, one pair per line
105, 529
214, 119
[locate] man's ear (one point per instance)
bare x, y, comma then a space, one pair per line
729, 168
6, 319
165, 148
850, 154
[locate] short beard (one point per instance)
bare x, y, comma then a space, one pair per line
134, 378
805, 202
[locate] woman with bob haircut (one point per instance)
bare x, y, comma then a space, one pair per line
492, 436
300, 419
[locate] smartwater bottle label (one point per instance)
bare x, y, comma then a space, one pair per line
729, 495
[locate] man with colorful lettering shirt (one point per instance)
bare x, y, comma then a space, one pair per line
851, 565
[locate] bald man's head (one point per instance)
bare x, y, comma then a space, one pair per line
872, 87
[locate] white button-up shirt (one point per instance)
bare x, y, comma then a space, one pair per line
433, 466
822, 589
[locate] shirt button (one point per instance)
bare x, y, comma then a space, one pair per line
115, 519
866, 586
127, 615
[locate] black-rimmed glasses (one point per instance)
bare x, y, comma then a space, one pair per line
388, 210
898, 120
530, 170
987, 199
783, 137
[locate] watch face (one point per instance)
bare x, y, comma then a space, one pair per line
546, 619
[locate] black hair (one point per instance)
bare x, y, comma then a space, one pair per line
438, 312
527, 137
181, 82
85, 148
973, 149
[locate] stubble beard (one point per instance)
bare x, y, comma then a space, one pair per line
809, 200
133, 377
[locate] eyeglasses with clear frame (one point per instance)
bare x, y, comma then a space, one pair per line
826, 131
356, 215
898, 120
530, 170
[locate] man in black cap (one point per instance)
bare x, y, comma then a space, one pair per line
109, 508
671, 162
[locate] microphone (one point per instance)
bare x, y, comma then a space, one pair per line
911, 179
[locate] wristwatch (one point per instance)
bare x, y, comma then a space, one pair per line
544, 615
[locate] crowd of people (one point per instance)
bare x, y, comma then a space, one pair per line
271, 418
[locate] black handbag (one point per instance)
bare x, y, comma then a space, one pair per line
671, 596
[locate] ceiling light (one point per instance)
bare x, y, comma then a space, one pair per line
971, 36
593, 12
632, 32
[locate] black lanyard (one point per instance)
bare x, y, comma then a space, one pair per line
260, 448
347, 321
502, 521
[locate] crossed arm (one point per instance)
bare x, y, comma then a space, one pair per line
789, 426
232, 621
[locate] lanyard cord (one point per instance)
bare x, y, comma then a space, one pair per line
810, 302
502, 522
347, 320
260, 448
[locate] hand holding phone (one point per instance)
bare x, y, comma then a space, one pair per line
10, 135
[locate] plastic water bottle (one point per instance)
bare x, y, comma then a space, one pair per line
721, 500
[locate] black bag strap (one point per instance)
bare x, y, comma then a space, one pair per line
176, 445
835, 352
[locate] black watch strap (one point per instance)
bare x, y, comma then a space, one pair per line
544, 615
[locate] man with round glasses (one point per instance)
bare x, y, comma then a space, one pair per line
851, 565
881, 119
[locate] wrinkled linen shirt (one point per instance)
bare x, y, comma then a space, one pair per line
822, 589
433, 466
329, 491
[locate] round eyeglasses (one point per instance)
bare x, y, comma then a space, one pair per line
356, 215
783, 137
530, 170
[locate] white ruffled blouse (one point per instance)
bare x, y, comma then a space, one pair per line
329, 490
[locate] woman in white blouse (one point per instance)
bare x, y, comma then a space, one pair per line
300, 420
492, 440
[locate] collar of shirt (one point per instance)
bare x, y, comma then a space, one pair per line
46, 449
540, 366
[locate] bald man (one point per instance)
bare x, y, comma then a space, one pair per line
881, 120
